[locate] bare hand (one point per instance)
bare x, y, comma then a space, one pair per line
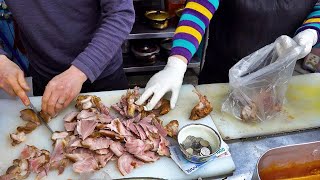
12, 80
61, 90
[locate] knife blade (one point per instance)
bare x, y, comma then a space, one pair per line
41, 119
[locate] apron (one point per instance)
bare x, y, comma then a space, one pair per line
240, 27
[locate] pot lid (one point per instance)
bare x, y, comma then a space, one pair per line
157, 15
145, 48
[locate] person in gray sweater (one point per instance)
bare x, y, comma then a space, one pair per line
72, 46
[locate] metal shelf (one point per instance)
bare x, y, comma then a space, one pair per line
131, 64
144, 31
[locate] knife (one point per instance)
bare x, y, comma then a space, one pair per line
41, 119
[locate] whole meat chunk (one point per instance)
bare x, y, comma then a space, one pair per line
27, 128
202, 109
126, 163
172, 128
30, 115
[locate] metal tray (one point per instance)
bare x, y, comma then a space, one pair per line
298, 153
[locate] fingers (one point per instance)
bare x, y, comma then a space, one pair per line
147, 93
174, 98
45, 99
52, 103
19, 91
155, 99
60, 103
22, 82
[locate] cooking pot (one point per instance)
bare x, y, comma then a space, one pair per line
158, 19
145, 52
166, 45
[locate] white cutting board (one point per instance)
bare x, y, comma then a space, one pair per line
163, 168
301, 109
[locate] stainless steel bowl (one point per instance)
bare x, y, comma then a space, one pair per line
203, 131
297, 153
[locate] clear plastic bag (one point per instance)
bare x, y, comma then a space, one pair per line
259, 81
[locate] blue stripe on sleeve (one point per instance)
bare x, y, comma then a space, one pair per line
186, 44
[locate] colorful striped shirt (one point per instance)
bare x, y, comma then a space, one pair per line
312, 21
196, 17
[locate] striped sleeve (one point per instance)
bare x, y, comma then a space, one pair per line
192, 25
312, 21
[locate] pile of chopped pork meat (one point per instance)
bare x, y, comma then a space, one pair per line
202, 109
93, 137
31, 160
33, 122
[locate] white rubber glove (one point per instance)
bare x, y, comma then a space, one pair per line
169, 79
307, 39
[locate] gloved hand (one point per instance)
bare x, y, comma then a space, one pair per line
169, 79
307, 39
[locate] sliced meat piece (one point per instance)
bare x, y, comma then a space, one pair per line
86, 165
147, 156
147, 119
70, 116
100, 106
96, 134
133, 129
78, 156
134, 146
112, 135
60, 165
19, 170
87, 103
101, 126
17, 138
172, 128
29, 152
30, 115
70, 126
28, 128
97, 143
59, 135
126, 163
202, 109
76, 143
103, 118
162, 131
45, 117
85, 128
103, 159
141, 132
36, 163
58, 151
102, 151
84, 114
118, 127
117, 148
163, 149
117, 107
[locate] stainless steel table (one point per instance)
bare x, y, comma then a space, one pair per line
245, 152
